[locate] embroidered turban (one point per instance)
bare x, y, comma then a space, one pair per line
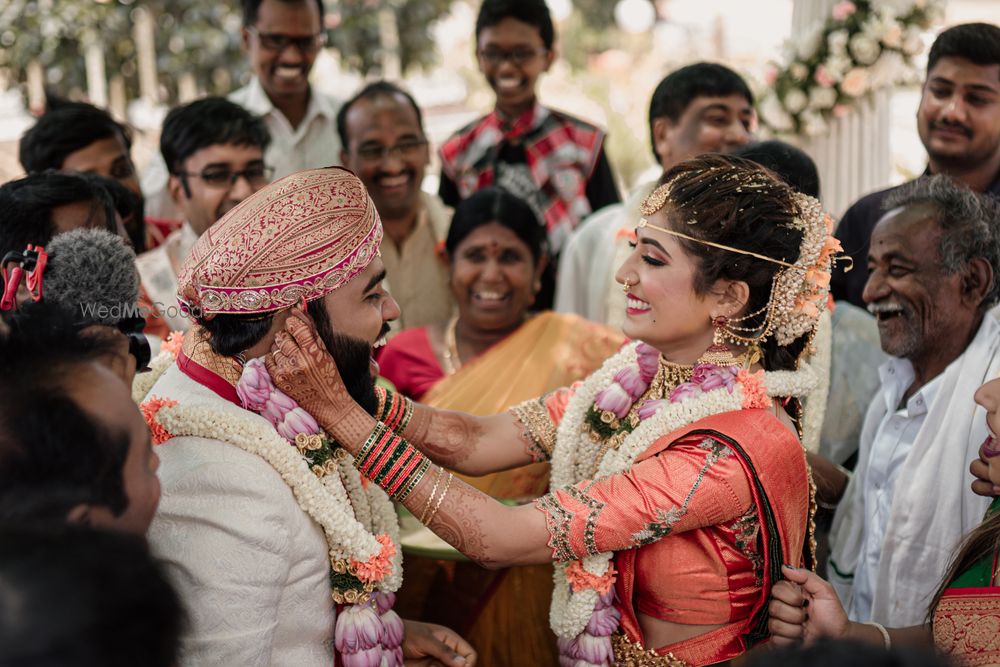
302, 236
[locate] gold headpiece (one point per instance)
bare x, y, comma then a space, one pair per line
799, 291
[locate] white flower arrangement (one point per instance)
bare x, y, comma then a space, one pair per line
576, 451
862, 46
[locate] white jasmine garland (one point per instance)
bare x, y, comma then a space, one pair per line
143, 382
323, 500
575, 454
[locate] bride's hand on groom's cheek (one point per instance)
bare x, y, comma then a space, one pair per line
301, 366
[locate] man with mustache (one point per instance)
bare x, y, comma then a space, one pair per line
214, 151
959, 124
382, 131
280, 553
932, 279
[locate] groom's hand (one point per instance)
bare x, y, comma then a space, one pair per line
429, 645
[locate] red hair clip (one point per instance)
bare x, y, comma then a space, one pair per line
30, 267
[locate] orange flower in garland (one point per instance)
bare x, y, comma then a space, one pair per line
173, 343
579, 579
378, 566
754, 393
149, 409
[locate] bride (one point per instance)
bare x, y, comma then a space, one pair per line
679, 484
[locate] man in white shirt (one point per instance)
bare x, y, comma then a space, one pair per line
700, 108
904, 511
214, 150
282, 39
385, 145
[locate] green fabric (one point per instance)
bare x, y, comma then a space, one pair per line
980, 575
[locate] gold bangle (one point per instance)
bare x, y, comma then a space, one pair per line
444, 493
430, 500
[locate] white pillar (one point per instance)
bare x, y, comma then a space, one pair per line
145, 46
117, 101
36, 87
853, 156
97, 84
187, 88
388, 32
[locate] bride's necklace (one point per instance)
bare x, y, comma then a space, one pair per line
668, 377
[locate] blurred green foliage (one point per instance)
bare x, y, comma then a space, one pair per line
200, 37
357, 36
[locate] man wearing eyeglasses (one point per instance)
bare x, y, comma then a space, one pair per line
214, 151
281, 39
382, 131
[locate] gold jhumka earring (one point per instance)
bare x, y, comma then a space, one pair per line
718, 352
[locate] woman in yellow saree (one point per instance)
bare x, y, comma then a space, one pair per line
490, 357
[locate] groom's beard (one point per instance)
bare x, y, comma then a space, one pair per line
353, 357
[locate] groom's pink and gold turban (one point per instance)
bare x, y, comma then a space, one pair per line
302, 236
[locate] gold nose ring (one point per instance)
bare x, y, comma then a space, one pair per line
626, 286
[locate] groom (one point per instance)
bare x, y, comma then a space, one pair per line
236, 524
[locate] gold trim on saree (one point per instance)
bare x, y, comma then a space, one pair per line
632, 654
534, 416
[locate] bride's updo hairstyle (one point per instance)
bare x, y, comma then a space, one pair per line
741, 223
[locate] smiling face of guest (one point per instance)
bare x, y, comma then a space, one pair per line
512, 55
959, 114
917, 304
387, 149
707, 125
494, 278
282, 65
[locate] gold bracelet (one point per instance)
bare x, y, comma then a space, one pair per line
444, 493
430, 500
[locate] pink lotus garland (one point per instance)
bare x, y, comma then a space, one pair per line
258, 393
592, 647
364, 634
367, 634
630, 382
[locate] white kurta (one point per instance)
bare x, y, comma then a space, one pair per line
933, 506
251, 567
893, 441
